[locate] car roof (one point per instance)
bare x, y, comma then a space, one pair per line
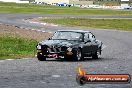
82, 31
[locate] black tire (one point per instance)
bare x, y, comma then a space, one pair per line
95, 56
65, 58
41, 58
78, 56
100, 51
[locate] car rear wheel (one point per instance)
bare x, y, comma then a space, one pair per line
95, 55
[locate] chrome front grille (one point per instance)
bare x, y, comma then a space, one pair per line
54, 49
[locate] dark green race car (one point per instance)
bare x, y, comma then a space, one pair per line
73, 45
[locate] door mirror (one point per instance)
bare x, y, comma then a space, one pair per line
93, 36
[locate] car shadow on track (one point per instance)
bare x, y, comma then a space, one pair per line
86, 60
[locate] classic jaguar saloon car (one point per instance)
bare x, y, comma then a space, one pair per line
69, 45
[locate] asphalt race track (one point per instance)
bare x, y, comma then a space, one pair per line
116, 58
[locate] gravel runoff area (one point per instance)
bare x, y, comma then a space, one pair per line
24, 33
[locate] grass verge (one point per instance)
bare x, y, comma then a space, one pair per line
30, 8
116, 24
16, 47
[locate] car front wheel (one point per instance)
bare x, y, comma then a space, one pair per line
78, 56
41, 58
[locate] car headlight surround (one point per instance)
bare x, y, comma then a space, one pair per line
39, 47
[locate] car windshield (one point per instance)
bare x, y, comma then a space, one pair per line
68, 35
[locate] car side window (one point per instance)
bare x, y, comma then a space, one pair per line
86, 37
91, 37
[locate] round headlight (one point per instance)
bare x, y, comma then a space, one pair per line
38, 47
69, 49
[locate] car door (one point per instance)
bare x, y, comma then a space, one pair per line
89, 43
94, 44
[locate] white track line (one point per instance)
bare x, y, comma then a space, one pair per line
2, 61
9, 59
13, 59
56, 76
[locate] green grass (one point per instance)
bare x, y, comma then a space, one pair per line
30, 8
15, 47
117, 24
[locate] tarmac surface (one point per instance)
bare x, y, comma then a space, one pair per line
116, 58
